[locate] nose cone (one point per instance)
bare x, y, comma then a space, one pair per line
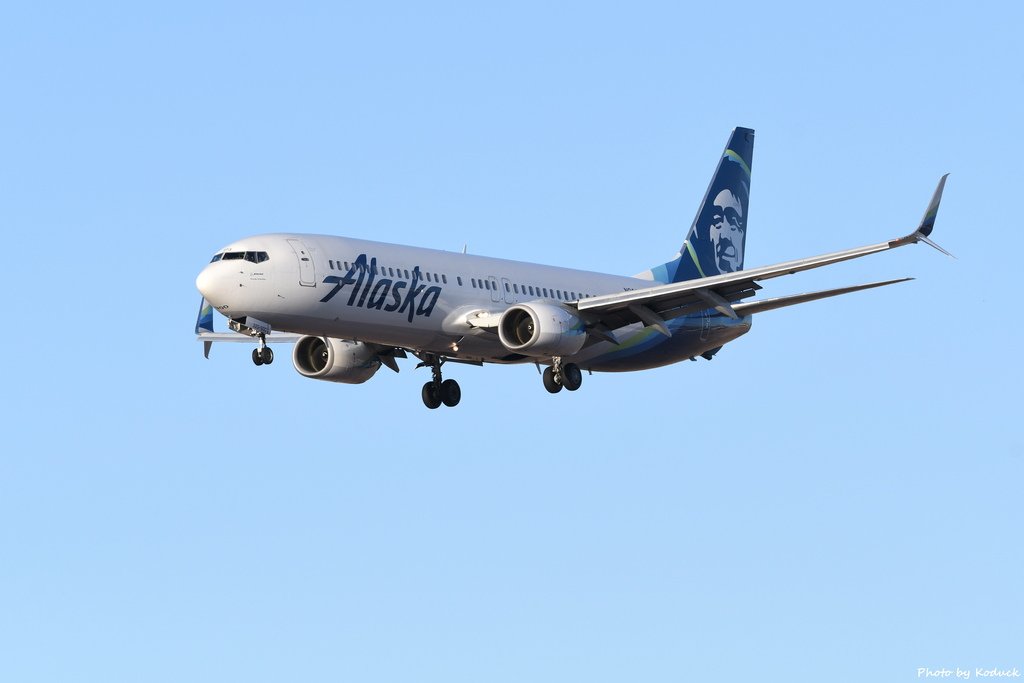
207, 283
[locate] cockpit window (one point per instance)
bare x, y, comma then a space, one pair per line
251, 256
216, 257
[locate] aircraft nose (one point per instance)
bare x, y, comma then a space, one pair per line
207, 283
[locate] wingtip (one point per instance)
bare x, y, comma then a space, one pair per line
928, 220
932, 244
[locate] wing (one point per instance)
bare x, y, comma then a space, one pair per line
205, 333
654, 305
249, 330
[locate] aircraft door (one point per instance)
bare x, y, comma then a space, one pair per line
506, 286
307, 272
495, 289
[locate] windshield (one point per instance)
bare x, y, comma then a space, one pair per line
251, 256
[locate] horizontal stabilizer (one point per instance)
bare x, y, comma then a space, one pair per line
753, 307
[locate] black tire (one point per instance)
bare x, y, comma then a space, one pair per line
268, 355
572, 377
551, 383
430, 396
257, 357
451, 393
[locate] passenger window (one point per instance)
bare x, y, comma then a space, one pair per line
531, 290
515, 288
545, 291
459, 278
444, 278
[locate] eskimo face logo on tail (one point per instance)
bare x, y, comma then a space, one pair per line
727, 229
722, 220
411, 299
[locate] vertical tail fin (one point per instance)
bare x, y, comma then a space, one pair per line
717, 238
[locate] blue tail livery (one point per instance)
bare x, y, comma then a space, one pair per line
716, 242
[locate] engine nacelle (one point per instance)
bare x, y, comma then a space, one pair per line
541, 329
335, 360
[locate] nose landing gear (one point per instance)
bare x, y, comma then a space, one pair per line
263, 355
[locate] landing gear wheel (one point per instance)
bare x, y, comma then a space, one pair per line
431, 397
268, 355
257, 357
572, 377
451, 393
550, 382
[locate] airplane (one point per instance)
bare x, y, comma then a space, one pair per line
350, 306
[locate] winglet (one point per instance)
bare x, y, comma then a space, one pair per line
928, 220
204, 323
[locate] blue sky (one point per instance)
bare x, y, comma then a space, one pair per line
835, 497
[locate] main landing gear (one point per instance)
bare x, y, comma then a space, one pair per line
263, 355
438, 390
559, 375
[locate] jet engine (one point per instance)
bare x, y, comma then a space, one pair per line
541, 329
335, 360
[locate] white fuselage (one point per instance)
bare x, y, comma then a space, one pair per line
428, 300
